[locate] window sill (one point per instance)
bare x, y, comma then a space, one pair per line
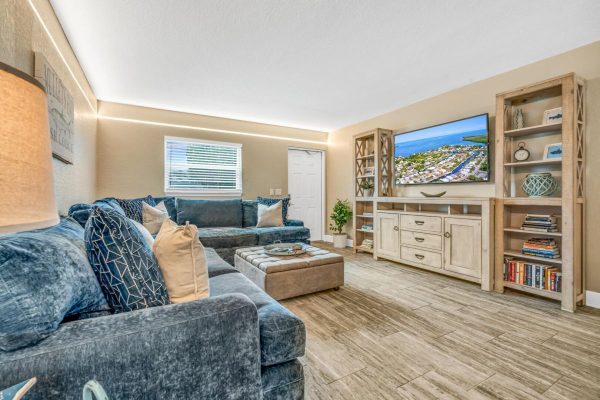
203, 194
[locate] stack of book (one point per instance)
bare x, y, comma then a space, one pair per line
541, 247
539, 223
532, 275
367, 244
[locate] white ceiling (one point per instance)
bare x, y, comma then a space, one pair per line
315, 64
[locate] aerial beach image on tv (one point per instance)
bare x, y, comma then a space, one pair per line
452, 152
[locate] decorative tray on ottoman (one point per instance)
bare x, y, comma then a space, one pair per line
285, 249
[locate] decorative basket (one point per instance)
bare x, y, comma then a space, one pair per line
541, 184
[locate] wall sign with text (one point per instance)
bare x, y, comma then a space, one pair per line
60, 110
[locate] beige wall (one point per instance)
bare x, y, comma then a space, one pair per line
478, 98
21, 34
131, 154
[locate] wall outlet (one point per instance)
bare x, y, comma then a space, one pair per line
277, 192
272, 192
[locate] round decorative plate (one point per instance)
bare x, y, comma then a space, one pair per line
285, 249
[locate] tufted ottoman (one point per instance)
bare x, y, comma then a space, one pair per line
283, 277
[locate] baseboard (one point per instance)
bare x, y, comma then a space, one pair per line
592, 299
329, 239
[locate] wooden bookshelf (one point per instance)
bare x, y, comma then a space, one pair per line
567, 204
372, 163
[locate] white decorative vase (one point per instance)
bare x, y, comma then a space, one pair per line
339, 240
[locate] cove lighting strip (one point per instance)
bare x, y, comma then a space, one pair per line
62, 57
200, 128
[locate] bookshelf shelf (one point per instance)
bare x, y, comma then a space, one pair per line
365, 230
367, 157
365, 216
566, 207
533, 129
538, 292
533, 201
518, 254
532, 163
531, 233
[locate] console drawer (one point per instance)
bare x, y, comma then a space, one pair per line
421, 256
421, 223
427, 240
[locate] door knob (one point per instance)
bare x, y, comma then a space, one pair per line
396, 228
447, 235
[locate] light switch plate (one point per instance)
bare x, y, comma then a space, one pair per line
272, 192
277, 192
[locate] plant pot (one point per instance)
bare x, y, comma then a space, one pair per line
368, 192
339, 240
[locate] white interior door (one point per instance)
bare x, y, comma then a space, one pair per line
305, 186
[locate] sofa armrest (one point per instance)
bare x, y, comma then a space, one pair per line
197, 350
294, 222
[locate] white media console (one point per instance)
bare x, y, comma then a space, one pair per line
451, 236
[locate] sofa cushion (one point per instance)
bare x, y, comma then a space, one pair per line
134, 207
80, 212
250, 213
269, 201
216, 265
210, 213
227, 237
44, 277
282, 334
123, 262
170, 205
285, 234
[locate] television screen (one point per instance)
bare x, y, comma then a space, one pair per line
448, 153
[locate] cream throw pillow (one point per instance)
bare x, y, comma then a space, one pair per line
270, 215
153, 217
182, 262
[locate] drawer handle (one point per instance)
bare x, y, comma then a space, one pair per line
420, 256
419, 222
396, 228
447, 235
420, 239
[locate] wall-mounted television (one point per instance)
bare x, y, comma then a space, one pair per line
454, 152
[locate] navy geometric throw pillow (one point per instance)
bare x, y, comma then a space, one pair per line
123, 262
269, 201
133, 207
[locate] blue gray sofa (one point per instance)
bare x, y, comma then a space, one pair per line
237, 344
224, 225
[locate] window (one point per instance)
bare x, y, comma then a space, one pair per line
202, 167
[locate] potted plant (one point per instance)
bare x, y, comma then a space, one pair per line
341, 214
367, 186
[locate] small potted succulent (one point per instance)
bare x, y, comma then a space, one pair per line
340, 216
367, 186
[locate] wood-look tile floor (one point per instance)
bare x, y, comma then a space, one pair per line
396, 332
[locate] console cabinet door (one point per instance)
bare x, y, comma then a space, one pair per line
462, 246
387, 240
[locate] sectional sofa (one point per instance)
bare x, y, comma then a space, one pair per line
237, 344
224, 225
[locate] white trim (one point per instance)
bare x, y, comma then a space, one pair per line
329, 239
205, 129
592, 299
196, 193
